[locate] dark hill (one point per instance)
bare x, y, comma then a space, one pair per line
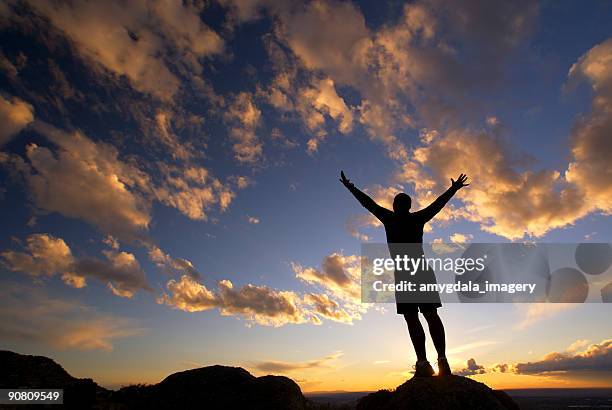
453, 393
40, 372
215, 387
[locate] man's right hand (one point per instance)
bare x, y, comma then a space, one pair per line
460, 182
345, 181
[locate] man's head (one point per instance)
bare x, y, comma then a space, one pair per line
402, 203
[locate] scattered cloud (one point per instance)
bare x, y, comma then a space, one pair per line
596, 357
111, 242
316, 102
87, 180
471, 369
257, 304
121, 271
590, 169
461, 238
274, 366
501, 368
84, 179
272, 307
28, 315
339, 275
170, 265
46, 256
146, 42
408, 74
192, 190
402, 70
244, 118
504, 201
165, 132
327, 308
15, 115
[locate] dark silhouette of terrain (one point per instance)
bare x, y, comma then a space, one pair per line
212, 387
215, 387
448, 392
223, 387
39, 372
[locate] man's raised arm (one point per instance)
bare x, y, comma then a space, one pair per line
437, 205
367, 202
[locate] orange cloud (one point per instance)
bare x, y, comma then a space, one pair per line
27, 315
15, 115
590, 169
133, 39
87, 180
596, 357
244, 117
276, 366
170, 265
319, 100
272, 307
257, 304
192, 190
46, 255
339, 275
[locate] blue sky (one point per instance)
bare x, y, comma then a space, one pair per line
170, 147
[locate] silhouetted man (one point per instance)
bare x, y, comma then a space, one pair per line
404, 231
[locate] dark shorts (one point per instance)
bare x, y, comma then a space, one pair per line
420, 301
403, 308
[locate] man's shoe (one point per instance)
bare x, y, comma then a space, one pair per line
443, 368
423, 369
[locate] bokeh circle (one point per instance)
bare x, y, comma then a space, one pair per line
594, 258
568, 285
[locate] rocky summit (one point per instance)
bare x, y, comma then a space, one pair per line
451, 392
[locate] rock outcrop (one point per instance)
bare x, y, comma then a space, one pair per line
452, 393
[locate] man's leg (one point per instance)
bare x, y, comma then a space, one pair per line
436, 330
417, 334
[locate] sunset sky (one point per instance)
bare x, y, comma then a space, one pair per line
169, 181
